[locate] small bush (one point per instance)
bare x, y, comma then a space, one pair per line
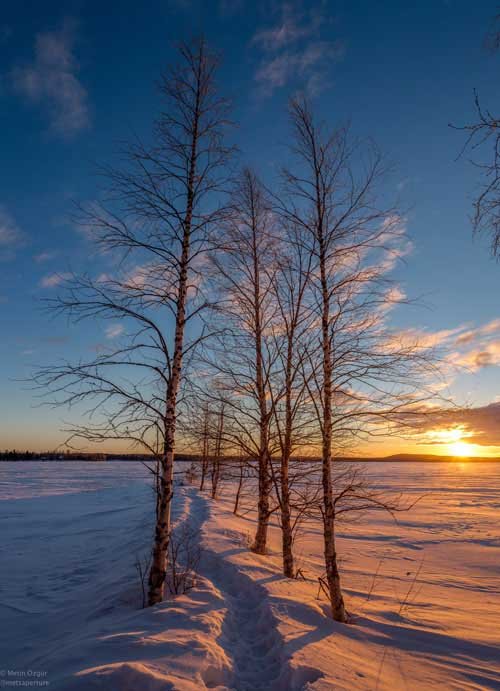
183, 560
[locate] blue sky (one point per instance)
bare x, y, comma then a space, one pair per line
75, 80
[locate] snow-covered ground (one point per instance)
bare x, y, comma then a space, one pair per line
423, 593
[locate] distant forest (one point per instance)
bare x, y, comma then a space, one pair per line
14, 455
194, 458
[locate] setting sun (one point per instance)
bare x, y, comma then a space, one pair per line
461, 448
452, 442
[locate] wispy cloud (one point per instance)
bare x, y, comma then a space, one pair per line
10, 233
473, 335
44, 257
287, 31
477, 348
468, 347
51, 79
114, 330
53, 280
431, 339
483, 355
11, 236
295, 50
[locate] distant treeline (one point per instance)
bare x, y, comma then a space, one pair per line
14, 455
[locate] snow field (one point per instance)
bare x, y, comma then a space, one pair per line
423, 593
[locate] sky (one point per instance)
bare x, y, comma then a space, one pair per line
75, 81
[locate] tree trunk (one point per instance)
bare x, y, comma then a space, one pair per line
286, 519
238, 492
332, 572
158, 570
203, 474
215, 476
265, 480
263, 513
158, 484
204, 458
218, 453
287, 537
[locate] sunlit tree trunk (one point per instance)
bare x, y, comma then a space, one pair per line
330, 552
192, 160
286, 515
244, 361
158, 569
204, 449
265, 480
217, 459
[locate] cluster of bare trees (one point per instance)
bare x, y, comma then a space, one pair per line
254, 316
483, 143
206, 430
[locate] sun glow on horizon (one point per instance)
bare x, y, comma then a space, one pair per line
454, 441
461, 449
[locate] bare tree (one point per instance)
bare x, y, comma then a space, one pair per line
359, 374
288, 388
483, 135
158, 215
243, 357
184, 557
195, 427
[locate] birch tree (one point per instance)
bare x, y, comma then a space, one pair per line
244, 358
288, 388
353, 242
157, 215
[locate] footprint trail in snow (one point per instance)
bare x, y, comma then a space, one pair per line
249, 634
